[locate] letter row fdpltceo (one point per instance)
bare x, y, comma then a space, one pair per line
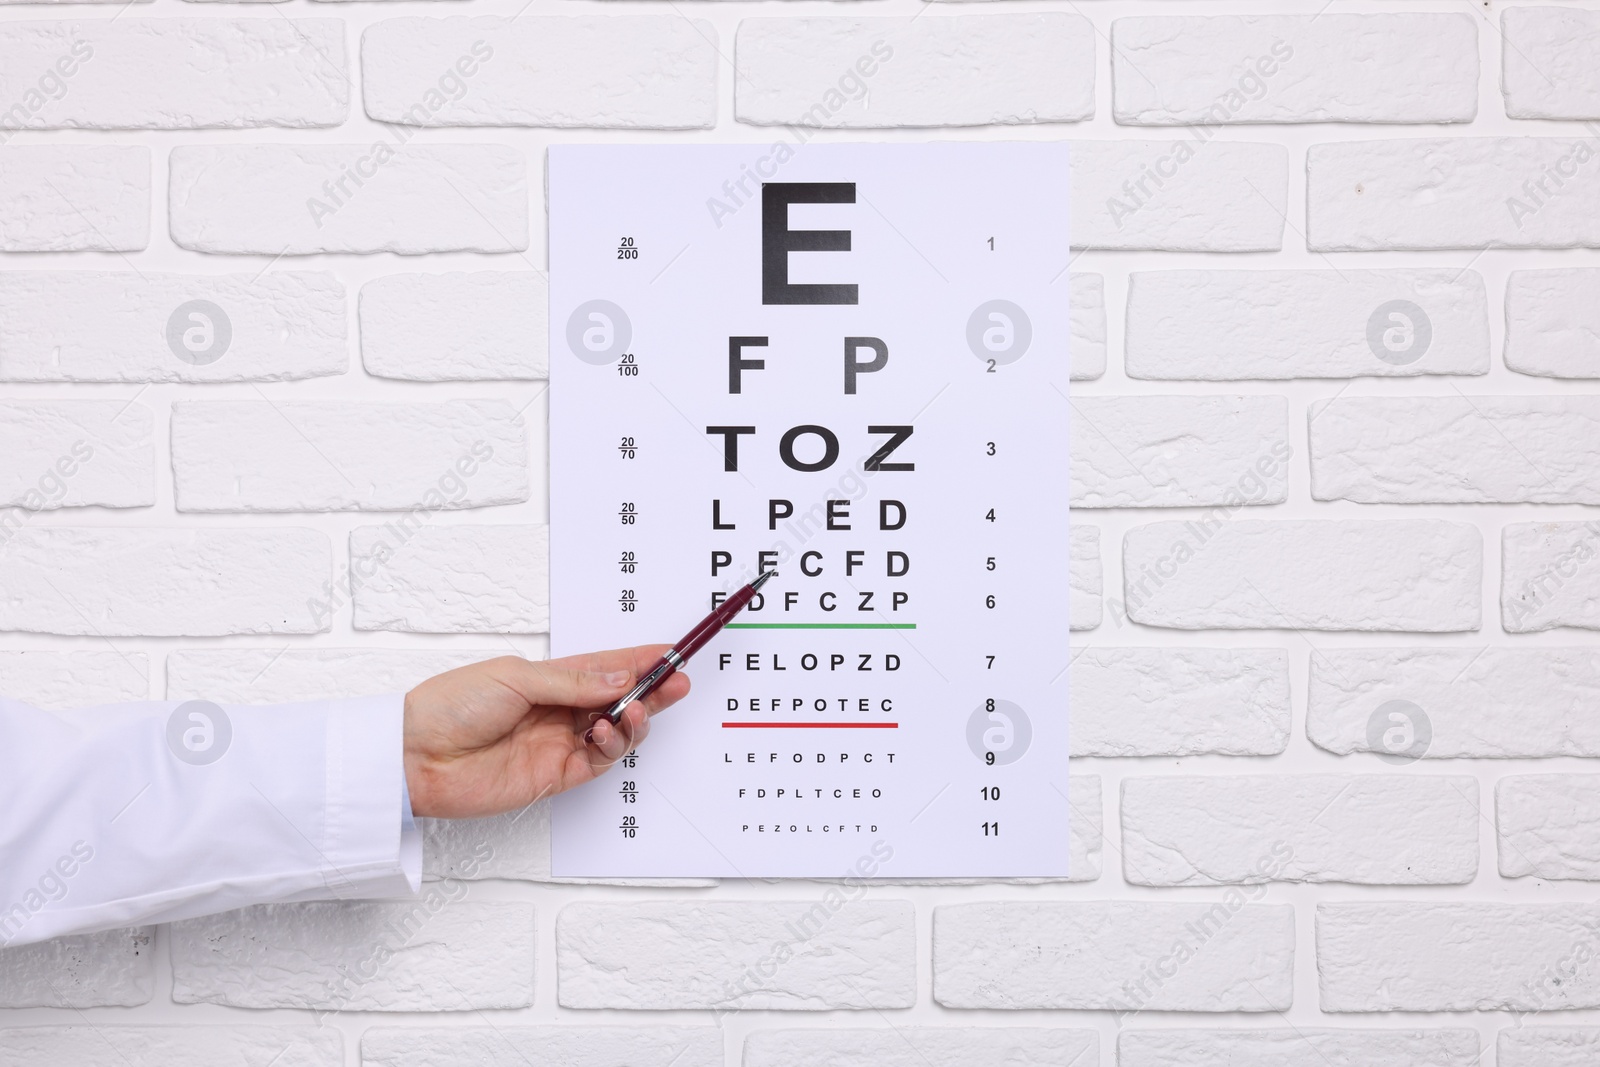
847, 363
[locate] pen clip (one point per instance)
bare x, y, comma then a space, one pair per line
645, 684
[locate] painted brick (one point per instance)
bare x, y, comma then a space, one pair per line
1550, 63
196, 582
74, 198
439, 952
1298, 1047
334, 455
1456, 449
77, 679
455, 327
1553, 322
1365, 829
1090, 956
1180, 701
94, 326
1188, 194
1179, 451
1292, 68
1548, 576
924, 1046
279, 199
177, 73
1469, 192
514, 845
1455, 957
628, 72
1419, 575
285, 675
113, 968
76, 453
1225, 325
1088, 326
970, 70
1549, 826
1476, 702
827, 952
568, 1045
1086, 828
1547, 1046
457, 579
1084, 578
187, 1045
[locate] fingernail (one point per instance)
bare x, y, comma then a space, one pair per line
618, 677
588, 736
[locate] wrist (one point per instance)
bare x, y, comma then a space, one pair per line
414, 763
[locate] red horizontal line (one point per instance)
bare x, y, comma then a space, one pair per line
811, 726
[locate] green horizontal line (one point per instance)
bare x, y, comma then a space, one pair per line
822, 626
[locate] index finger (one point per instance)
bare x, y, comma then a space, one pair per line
636, 660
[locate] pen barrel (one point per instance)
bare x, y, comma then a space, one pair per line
677, 656
709, 627
648, 683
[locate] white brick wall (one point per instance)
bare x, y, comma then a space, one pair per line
443, 327
1456, 450
76, 453
74, 198
1226, 325
1248, 574
1548, 577
111, 968
283, 199
1179, 701
1185, 194
61, 680
1208, 831
1549, 825
1335, 293
191, 72
1547, 1046
440, 952
1297, 1048
1477, 700
922, 1047
1177, 451
254, 455
1223, 957
187, 1046
1467, 192
974, 71
1289, 68
831, 950
127, 581
1549, 63
579, 1046
653, 71
1552, 319
112, 326
1416, 956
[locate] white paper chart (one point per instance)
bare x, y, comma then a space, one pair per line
848, 363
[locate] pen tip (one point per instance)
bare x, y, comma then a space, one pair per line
761, 579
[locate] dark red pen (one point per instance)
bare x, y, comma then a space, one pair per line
676, 657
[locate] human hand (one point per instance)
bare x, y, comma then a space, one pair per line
496, 736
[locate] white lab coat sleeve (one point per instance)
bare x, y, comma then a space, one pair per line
152, 811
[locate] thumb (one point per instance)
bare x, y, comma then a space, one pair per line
548, 683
